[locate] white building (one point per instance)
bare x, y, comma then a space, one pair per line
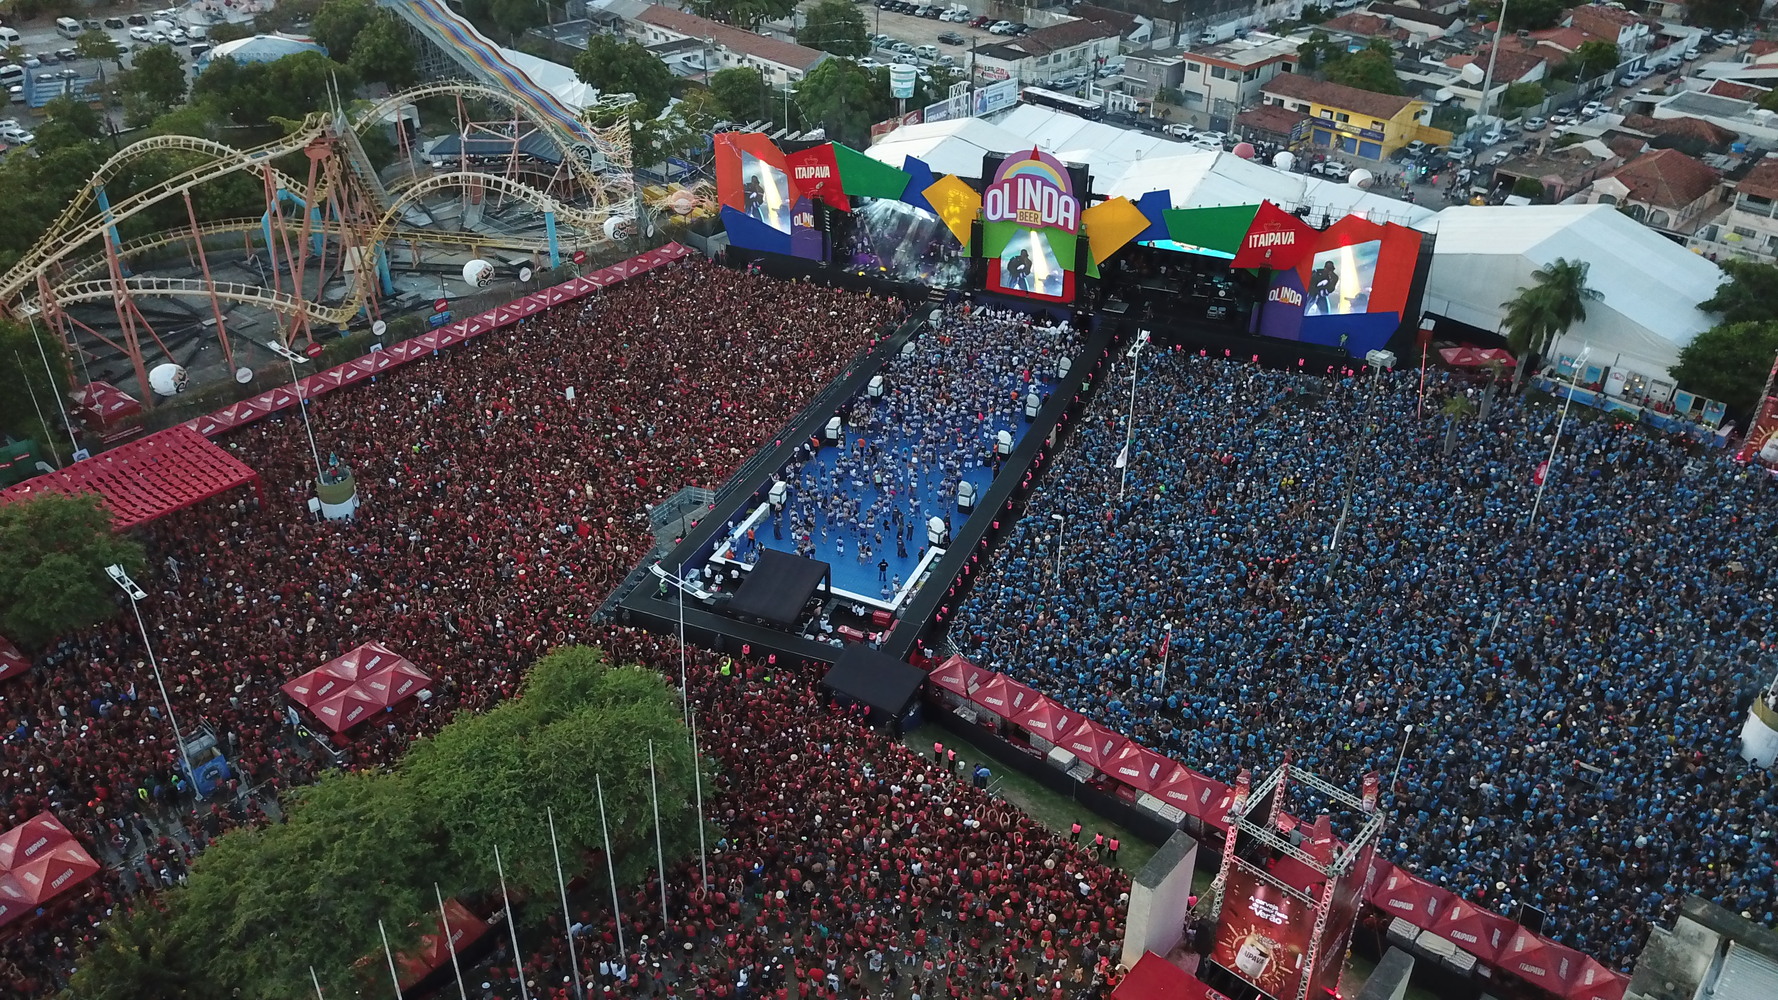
689, 36
1067, 49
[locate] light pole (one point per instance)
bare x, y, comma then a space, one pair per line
1061, 526
1406, 732
1580, 365
1135, 355
137, 594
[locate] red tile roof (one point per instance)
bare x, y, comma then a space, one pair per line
1667, 178
1761, 181
1738, 91
1710, 134
774, 50
1296, 86
1366, 25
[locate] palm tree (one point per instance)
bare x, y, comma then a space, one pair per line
1457, 409
1544, 310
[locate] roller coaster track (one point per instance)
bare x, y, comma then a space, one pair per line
388, 227
73, 229
608, 142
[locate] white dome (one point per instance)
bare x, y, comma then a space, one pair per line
262, 49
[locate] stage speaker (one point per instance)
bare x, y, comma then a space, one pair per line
1033, 403
779, 494
832, 432
935, 530
1531, 918
1003, 443
907, 349
1063, 367
875, 389
965, 496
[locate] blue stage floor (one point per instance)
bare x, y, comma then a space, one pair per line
937, 424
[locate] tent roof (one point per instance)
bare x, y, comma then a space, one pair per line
1045, 719
1650, 286
1092, 743
1138, 767
31, 839
875, 679
12, 662
147, 478
778, 587
1402, 895
350, 688
1005, 697
1130, 163
1540, 962
1155, 978
957, 675
1482, 933
431, 954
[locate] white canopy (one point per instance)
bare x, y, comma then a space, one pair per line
1650, 286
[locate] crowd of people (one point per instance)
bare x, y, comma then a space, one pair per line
1308, 563
849, 866
936, 423
498, 514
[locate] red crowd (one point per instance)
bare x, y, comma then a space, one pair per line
497, 514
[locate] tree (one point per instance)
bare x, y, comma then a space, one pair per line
1367, 69
338, 23
1723, 13
740, 94
157, 77
1319, 51
99, 46
228, 31
845, 99
834, 26
1544, 310
21, 367
1596, 57
1520, 95
68, 122
258, 93
621, 67
1729, 362
746, 13
382, 53
1749, 295
53, 577
1532, 15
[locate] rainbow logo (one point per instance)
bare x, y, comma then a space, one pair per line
1034, 191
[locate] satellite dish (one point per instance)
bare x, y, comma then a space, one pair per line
167, 379
1284, 160
477, 273
243, 375
377, 328
524, 274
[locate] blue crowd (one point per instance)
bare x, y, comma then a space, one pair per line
943, 404
1575, 682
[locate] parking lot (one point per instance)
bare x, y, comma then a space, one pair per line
45, 49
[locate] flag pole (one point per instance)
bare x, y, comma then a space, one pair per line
617, 917
684, 685
1166, 651
317, 981
697, 783
1549, 464
506, 906
660, 855
450, 941
562, 887
394, 979
1130, 419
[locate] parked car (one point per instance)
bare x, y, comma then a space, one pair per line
1493, 136
1593, 109
1000, 28
114, 23
1331, 169
16, 135
950, 38
981, 22
1180, 130
1416, 148
140, 33
67, 55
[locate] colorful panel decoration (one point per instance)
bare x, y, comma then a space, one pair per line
954, 201
1111, 224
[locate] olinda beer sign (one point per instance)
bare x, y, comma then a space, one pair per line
1034, 191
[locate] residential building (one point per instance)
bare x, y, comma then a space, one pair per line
1422, 26
1363, 28
1663, 189
779, 62
1695, 135
1148, 72
1272, 123
1518, 62
1220, 80
1749, 226
1130, 27
1355, 122
1631, 33
1561, 172
1746, 119
1048, 54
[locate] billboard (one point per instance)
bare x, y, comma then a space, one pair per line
1263, 934
1031, 228
1348, 291
763, 205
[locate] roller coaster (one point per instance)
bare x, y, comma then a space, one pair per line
322, 247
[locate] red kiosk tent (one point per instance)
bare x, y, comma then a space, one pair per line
1046, 719
958, 676
1475, 357
146, 479
12, 662
1419, 903
1482, 933
348, 689
1140, 768
39, 860
1155, 978
1092, 743
1540, 962
1003, 696
433, 952
103, 406
1596, 982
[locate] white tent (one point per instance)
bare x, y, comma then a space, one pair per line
1650, 286
1130, 164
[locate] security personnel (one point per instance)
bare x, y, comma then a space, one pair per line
1074, 833
1112, 856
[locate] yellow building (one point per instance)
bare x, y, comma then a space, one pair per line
1359, 123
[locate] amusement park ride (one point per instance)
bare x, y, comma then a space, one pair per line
323, 244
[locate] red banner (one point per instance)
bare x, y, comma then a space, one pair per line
1276, 239
1761, 443
817, 174
1264, 933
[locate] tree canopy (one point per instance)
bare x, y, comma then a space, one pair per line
262, 905
1367, 69
156, 79
1748, 295
1542, 311
622, 67
835, 26
22, 368
746, 13
740, 94
1729, 362
1595, 57
52, 579
260, 93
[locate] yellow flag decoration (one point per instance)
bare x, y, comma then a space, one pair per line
1110, 224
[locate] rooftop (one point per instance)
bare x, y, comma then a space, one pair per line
1571, 165
1366, 25
1762, 180
1122, 21
1713, 136
1066, 35
1296, 86
1246, 54
1667, 178
1600, 12
1735, 91
1401, 13
772, 50
1270, 118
